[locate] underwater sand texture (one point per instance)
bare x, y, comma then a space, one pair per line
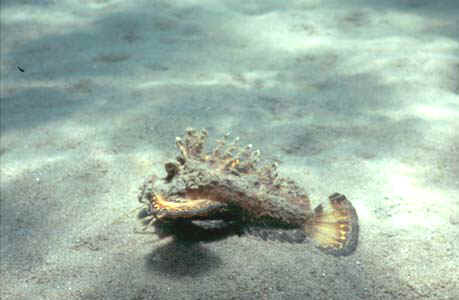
360, 97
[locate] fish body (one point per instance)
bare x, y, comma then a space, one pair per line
231, 183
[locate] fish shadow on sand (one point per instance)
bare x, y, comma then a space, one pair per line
185, 255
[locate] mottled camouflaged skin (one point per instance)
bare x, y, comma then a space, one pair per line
230, 183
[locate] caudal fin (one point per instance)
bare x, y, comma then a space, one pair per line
335, 230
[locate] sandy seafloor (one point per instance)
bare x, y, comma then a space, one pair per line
357, 97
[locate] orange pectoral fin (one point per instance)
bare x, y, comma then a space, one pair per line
184, 207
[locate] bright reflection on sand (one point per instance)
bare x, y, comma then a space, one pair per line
435, 113
419, 205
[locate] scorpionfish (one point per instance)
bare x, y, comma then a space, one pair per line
233, 185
